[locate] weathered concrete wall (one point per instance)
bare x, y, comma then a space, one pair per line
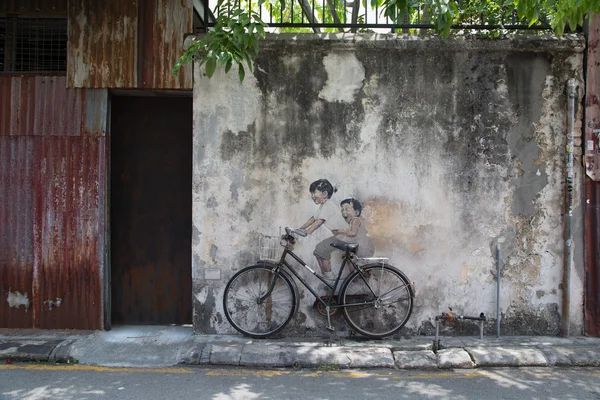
449, 145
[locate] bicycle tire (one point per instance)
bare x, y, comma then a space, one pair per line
389, 299
250, 317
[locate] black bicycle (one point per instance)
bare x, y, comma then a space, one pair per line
376, 298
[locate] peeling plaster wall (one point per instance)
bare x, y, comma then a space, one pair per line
450, 146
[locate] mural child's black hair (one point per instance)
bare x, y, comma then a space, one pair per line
322, 185
355, 204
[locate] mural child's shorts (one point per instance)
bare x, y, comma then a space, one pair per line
323, 249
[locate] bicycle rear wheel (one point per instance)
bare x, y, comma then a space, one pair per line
379, 300
249, 311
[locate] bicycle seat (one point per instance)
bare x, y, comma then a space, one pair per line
345, 246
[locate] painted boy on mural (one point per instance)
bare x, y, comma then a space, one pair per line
346, 226
357, 230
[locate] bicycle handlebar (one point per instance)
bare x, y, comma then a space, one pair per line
292, 231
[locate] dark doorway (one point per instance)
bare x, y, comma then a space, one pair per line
151, 210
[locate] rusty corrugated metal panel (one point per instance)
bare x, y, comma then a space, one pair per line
163, 24
5, 105
16, 227
43, 106
42, 7
96, 112
592, 103
102, 44
592, 181
18, 105
592, 244
52, 203
68, 234
58, 111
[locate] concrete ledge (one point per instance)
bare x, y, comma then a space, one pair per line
27, 350
507, 357
61, 353
152, 347
371, 358
225, 354
572, 356
423, 359
321, 356
267, 356
454, 358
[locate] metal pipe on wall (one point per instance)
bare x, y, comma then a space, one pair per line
498, 290
566, 305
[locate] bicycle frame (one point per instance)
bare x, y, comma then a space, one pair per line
328, 305
376, 298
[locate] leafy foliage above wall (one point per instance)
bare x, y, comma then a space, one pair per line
235, 37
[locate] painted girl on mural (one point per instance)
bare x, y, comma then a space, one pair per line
328, 215
346, 226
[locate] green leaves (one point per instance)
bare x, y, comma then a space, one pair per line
211, 65
241, 72
571, 13
529, 10
443, 13
233, 40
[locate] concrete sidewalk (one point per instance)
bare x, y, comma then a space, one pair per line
164, 346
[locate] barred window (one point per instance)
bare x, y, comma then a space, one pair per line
33, 44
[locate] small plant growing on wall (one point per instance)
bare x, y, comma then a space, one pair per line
233, 40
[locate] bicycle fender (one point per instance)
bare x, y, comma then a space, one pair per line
402, 274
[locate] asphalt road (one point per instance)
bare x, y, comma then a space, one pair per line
41, 381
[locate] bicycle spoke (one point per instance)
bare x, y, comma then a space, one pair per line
388, 297
401, 299
396, 288
247, 308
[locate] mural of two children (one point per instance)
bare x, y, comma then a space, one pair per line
346, 226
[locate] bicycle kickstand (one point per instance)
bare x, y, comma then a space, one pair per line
329, 326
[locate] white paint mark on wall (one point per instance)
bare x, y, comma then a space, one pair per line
16, 300
53, 303
239, 103
202, 295
345, 76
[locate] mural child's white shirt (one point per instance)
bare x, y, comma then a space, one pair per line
332, 216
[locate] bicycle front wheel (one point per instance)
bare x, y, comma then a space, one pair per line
378, 300
259, 302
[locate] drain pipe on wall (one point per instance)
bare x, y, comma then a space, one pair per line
566, 304
498, 261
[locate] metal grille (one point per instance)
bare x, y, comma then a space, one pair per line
345, 15
33, 44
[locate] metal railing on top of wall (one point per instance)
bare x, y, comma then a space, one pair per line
363, 16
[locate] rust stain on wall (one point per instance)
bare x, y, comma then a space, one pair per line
125, 44
592, 186
16, 233
68, 233
382, 216
52, 203
163, 24
42, 106
103, 40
